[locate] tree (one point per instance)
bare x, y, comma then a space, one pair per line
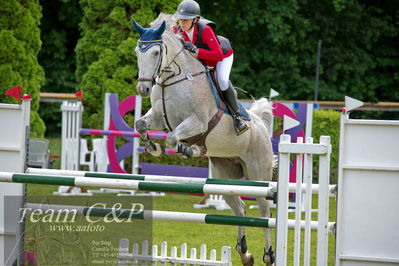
60, 33
106, 61
275, 46
19, 46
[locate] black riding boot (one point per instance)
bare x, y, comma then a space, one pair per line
230, 95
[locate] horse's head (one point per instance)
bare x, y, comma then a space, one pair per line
149, 56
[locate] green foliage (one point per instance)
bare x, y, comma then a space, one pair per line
275, 45
19, 46
37, 126
106, 61
52, 116
327, 123
60, 33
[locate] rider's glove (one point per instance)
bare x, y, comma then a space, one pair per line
191, 47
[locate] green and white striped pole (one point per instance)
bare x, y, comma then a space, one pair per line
220, 189
167, 216
161, 178
151, 178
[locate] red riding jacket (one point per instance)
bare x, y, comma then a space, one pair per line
208, 57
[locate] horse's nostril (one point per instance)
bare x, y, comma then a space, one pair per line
148, 90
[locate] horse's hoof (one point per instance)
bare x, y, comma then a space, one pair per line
198, 150
158, 150
248, 260
268, 257
155, 149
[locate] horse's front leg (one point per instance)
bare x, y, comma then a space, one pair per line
151, 120
190, 127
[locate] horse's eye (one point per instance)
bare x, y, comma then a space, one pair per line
155, 53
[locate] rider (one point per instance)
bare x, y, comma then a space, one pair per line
209, 52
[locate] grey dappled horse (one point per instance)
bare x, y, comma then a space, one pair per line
182, 102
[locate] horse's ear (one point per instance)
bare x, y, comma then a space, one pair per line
161, 28
137, 27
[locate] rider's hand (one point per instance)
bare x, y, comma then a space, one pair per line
191, 47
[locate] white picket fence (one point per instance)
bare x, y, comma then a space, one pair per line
145, 257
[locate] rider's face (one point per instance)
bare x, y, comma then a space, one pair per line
186, 24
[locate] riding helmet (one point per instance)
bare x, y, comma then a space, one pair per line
188, 9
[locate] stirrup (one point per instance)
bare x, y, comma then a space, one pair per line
238, 119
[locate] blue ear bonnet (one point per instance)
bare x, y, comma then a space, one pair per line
148, 36
149, 39
145, 46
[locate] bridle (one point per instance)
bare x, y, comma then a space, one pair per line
147, 45
167, 69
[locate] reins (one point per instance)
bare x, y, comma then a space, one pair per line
163, 84
189, 76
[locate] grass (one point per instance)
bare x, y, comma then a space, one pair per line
175, 233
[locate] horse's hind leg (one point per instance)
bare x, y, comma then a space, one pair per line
238, 208
264, 207
262, 171
230, 169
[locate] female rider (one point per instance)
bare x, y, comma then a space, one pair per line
209, 52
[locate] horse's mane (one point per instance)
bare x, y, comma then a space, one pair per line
171, 22
170, 36
168, 18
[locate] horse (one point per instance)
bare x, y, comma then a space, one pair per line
182, 102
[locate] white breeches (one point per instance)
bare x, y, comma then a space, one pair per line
223, 69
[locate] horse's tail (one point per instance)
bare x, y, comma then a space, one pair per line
264, 110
